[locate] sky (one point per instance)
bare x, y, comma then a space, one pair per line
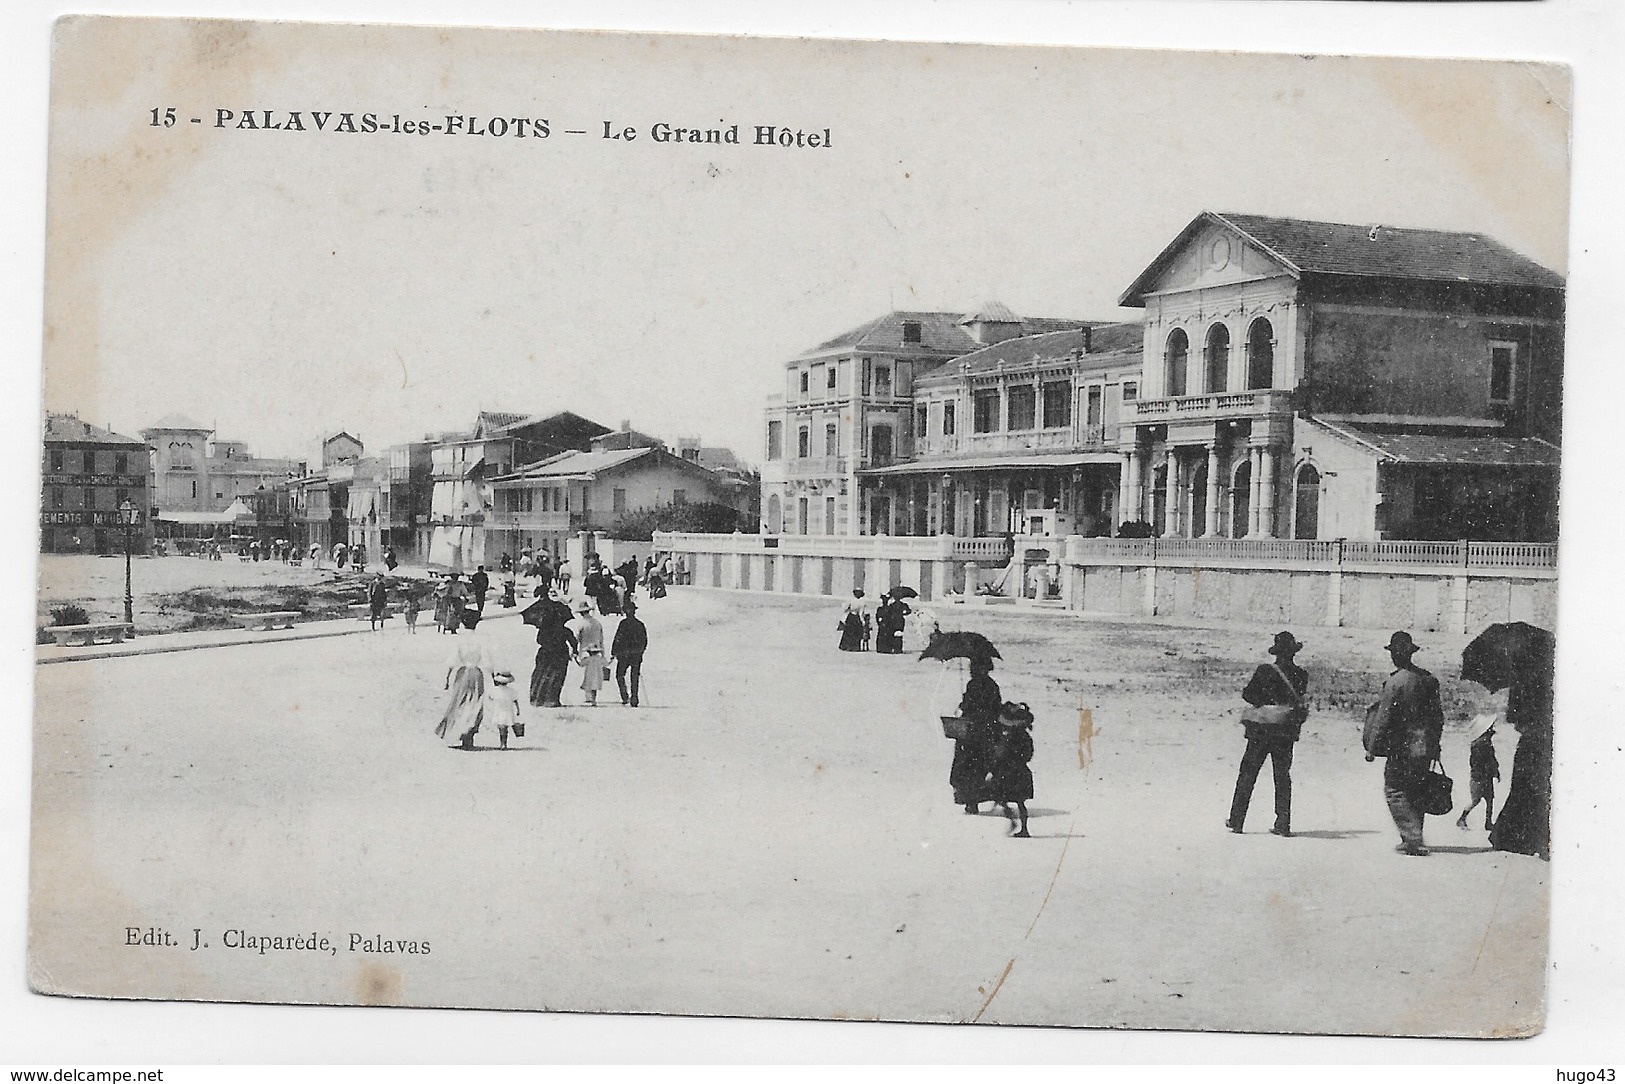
282, 285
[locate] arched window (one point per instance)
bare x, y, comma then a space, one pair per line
1240, 503
1217, 367
1260, 355
1306, 503
1173, 379
775, 517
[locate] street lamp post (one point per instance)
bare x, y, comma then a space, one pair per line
126, 515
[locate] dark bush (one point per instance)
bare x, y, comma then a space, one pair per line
703, 518
1135, 528
69, 613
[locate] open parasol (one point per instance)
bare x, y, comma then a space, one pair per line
904, 592
543, 610
1514, 653
960, 645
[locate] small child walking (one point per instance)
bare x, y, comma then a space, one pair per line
410, 608
1010, 783
502, 706
1483, 770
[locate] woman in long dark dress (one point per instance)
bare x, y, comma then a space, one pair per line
889, 619
973, 754
1524, 823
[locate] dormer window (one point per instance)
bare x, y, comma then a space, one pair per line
911, 331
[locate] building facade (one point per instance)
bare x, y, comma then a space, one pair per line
1290, 379
194, 476
848, 406
1322, 380
87, 472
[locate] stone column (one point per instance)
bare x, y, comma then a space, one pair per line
1255, 471
1212, 526
1266, 500
1171, 521
1130, 486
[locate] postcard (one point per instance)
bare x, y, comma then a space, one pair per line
751, 527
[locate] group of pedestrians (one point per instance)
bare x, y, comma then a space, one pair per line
883, 628
1404, 728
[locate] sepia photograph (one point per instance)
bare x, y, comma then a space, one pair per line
900, 532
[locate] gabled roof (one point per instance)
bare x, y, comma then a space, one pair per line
577, 464
1107, 343
177, 421
68, 428
1446, 449
1306, 247
940, 332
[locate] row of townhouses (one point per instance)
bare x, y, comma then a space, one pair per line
1290, 379
511, 481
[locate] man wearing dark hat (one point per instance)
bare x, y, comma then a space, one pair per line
1276, 689
1405, 726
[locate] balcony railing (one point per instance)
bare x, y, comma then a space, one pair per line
1028, 440
1230, 404
535, 521
1534, 557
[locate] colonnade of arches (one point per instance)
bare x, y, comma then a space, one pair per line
1215, 371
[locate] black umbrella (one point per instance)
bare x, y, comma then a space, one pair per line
904, 592
1514, 653
544, 610
960, 645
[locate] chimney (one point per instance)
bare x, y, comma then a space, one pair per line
1088, 337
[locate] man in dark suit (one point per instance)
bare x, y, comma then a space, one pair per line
1281, 684
1405, 726
480, 582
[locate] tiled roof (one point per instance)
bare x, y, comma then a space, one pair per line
1368, 250
1335, 248
577, 464
1436, 449
1106, 341
992, 312
498, 419
69, 428
940, 332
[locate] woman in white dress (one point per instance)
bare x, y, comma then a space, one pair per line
467, 670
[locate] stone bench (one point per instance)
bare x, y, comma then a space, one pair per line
265, 622
85, 635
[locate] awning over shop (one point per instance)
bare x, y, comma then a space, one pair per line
1053, 460
448, 548
1464, 450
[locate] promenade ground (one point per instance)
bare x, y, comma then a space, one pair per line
772, 834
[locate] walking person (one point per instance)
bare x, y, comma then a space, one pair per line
1405, 726
979, 706
1010, 780
377, 601
631, 641
466, 671
589, 637
1273, 721
315, 555
390, 560
409, 609
555, 647
1483, 769
890, 616
502, 707
852, 623
682, 569
451, 615
480, 585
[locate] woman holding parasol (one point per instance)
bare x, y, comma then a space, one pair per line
1520, 658
979, 707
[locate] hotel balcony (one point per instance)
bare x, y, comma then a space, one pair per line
1221, 406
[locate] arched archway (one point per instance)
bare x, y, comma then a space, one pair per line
1306, 503
774, 514
1239, 506
1216, 363
1260, 355
1174, 356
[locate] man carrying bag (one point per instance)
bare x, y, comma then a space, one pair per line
1273, 720
1404, 727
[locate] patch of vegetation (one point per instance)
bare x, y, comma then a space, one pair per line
69, 613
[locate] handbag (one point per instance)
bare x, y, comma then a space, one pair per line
1433, 796
1277, 720
954, 727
